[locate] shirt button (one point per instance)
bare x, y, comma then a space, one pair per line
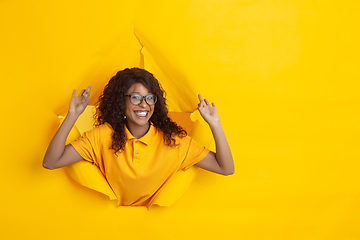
136, 152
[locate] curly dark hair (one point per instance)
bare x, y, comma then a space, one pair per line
111, 107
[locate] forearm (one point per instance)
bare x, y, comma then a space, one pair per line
57, 145
223, 153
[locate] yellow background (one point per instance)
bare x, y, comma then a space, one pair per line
284, 76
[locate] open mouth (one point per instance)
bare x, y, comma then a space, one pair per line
141, 113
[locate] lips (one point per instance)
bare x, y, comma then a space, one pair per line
141, 114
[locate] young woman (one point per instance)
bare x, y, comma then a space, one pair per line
135, 144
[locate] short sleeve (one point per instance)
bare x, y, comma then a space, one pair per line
191, 152
87, 145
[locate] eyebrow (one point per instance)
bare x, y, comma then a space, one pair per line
140, 94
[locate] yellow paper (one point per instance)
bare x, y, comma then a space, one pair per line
284, 76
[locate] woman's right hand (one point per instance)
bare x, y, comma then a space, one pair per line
79, 103
57, 154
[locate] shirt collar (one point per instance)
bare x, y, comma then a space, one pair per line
146, 139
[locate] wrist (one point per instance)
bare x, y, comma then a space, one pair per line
215, 125
72, 116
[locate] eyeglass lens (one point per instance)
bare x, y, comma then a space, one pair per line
136, 99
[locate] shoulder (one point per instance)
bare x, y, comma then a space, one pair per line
102, 130
186, 142
105, 128
183, 140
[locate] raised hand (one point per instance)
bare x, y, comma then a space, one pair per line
57, 154
208, 111
220, 162
79, 103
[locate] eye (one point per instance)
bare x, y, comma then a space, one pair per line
136, 96
150, 97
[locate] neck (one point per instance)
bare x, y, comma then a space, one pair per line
138, 131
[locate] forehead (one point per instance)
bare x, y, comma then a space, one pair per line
138, 87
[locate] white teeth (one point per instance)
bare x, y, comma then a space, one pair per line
141, 114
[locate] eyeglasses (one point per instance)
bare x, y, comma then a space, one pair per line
137, 98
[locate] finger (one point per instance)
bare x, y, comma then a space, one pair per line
87, 92
86, 95
74, 93
81, 93
201, 105
207, 102
200, 98
213, 104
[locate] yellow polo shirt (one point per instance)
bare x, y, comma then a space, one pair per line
138, 173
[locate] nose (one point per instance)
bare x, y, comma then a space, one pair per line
143, 103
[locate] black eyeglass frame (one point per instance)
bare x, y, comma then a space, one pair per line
142, 98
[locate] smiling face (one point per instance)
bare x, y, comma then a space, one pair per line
138, 116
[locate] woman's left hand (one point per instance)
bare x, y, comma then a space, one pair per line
208, 111
220, 162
